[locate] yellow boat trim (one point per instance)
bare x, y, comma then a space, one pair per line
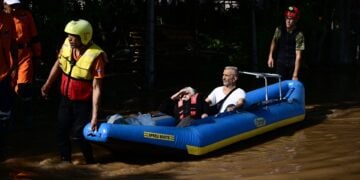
195, 150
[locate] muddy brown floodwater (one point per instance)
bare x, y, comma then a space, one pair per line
326, 145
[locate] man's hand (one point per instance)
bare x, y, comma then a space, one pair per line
45, 91
94, 125
230, 108
270, 62
204, 115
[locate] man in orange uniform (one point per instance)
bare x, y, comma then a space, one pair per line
29, 48
8, 59
80, 64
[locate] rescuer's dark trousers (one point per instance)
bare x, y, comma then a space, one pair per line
6, 105
72, 117
286, 70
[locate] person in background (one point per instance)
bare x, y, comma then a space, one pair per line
81, 66
227, 97
29, 50
286, 46
8, 63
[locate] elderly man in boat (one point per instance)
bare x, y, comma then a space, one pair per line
227, 97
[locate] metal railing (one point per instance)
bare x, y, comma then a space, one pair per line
265, 76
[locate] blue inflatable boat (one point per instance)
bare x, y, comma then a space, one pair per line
265, 109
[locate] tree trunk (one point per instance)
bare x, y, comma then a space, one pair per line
149, 46
344, 32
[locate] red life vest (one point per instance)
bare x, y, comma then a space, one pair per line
75, 89
182, 111
76, 80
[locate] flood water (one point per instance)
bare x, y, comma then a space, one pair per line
326, 145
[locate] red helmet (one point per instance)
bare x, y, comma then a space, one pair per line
292, 12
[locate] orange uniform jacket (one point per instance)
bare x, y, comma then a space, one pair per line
7, 34
28, 44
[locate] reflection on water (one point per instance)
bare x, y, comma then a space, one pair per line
324, 146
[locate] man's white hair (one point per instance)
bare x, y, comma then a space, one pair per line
233, 68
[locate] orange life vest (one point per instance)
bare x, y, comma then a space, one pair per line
182, 112
76, 81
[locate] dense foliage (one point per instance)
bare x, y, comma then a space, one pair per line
220, 32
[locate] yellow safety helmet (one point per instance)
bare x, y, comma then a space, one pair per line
81, 28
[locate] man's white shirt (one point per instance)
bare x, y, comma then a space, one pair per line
218, 94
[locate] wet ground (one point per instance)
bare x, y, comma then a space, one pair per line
326, 145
